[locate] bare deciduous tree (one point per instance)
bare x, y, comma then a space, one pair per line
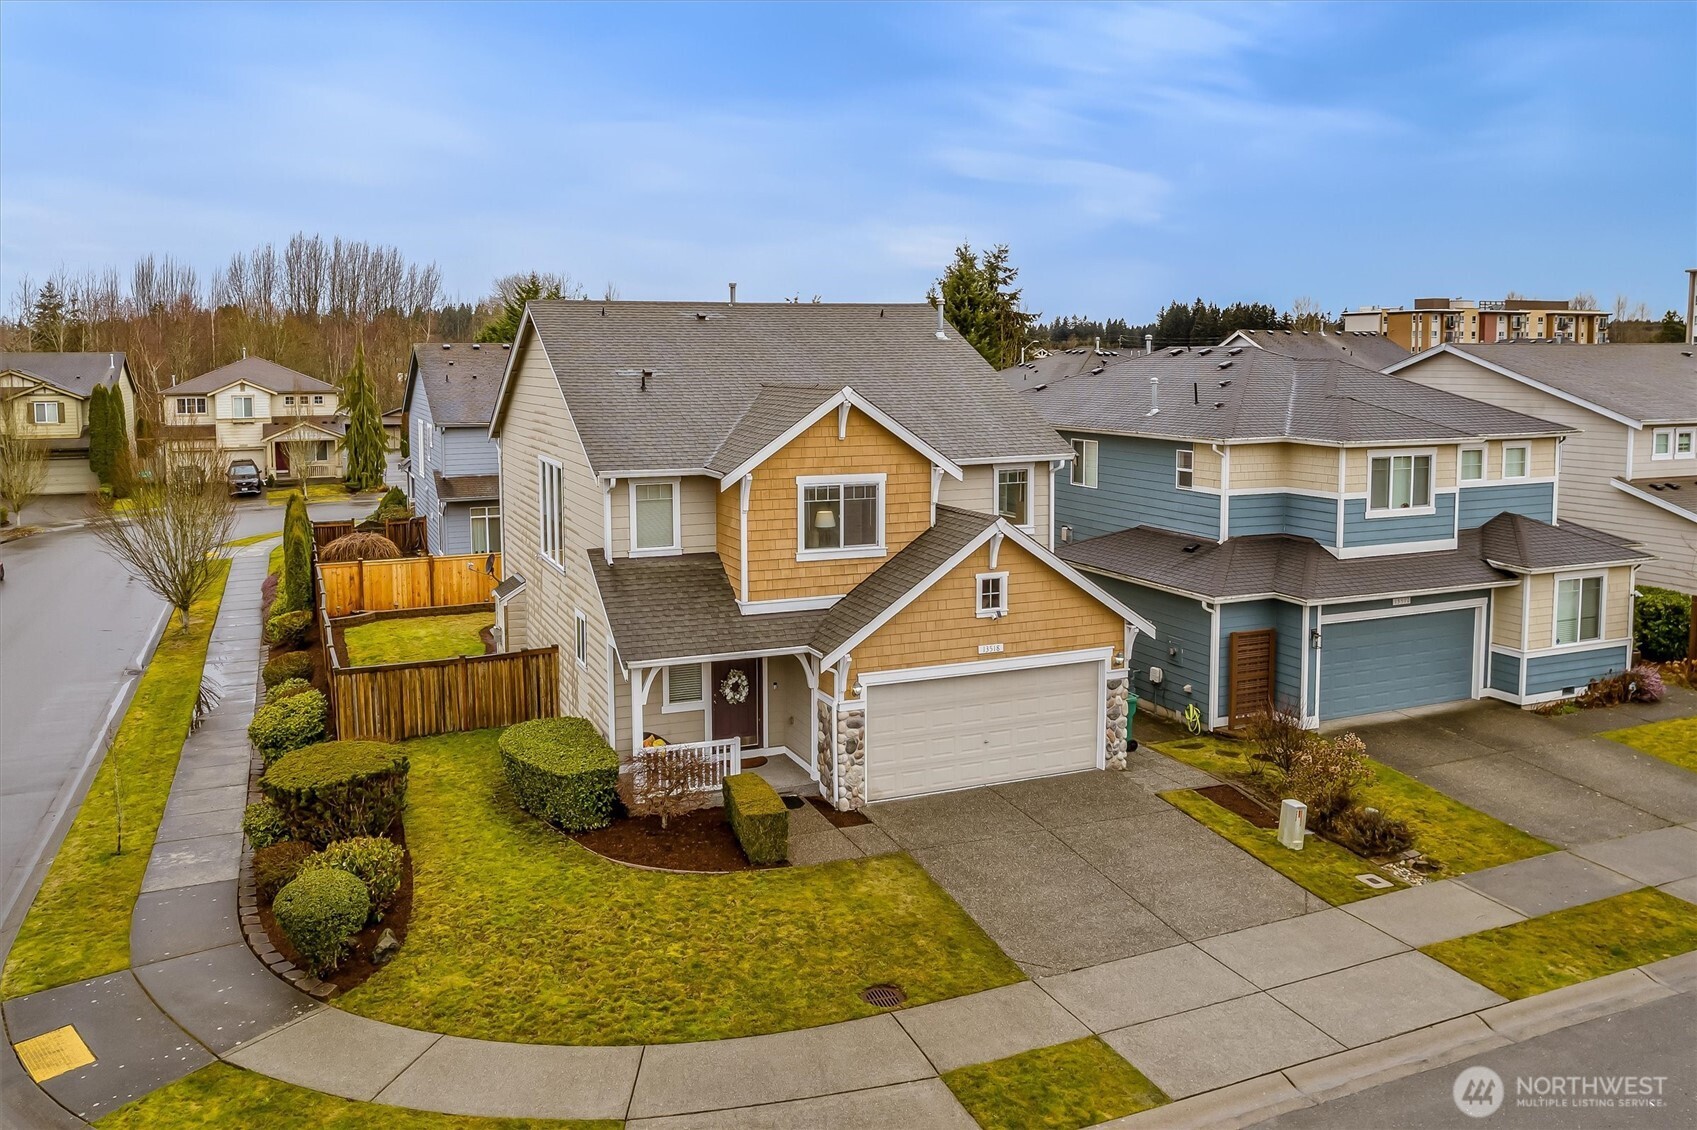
23, 462
666, 782
173, 524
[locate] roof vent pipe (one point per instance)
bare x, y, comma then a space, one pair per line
1154, 395
940, 326
1149, 344
733, 294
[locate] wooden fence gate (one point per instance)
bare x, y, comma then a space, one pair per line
1251, 678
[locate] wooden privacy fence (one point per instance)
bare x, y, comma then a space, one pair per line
346, 587
412, 700
408, 534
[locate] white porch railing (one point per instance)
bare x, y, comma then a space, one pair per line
705, 765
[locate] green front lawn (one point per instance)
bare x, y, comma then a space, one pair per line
221, 1097
1573, 945
1674, 740
315, 492
1457, 838
252, 539
79, 924
1061, 1087
1321, 867
519, 934
414, 639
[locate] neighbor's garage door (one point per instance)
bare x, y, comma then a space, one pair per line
938, 734
1401, 661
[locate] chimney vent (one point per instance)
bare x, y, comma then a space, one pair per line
1154, 395
733, 294
1148, 344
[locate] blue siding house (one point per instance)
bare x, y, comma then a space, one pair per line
1308, 533
453, 466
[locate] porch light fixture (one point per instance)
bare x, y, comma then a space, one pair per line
823, 519
1314, 638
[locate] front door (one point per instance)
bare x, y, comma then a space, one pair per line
737, 719
280, 457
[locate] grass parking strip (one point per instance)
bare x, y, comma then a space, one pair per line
1674, 741
1321, 867
1577, 944
221, 1097
79, 925
1068, 1085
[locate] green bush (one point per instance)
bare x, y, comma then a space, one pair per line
294, 589
287, 629
279, 727
372, 860
276, 866
288, 688
1664, 624
758, 817
338, 790
392, 506
263, 825
562, 770
1370, 832
318, 912
289, 665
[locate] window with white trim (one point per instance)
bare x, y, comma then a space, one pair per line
1084, 463
1013, 495
291, 400
191, 405
582, 634
684, 688
551, 485
1399, 483
486, 529
1579, 609
1517, 461
1661, 443
321, 451
48, 411
1685, 443
318, 400
654, 517
992, 594
241, 407
1184, 464
1472, 465
841, 518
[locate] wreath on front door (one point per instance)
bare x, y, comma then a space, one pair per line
735, 688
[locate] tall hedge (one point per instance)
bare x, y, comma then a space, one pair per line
294, 587
758, 817
338, 790
562, 770
100, 434
1664, 624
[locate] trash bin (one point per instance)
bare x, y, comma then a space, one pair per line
1130, 713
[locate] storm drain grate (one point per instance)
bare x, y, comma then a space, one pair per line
883, 996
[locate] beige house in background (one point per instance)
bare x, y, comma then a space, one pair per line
259, 410
47, 395
1432, 322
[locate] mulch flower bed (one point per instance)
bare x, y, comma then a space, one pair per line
838, 819
698, 841
1233, 800
356, 962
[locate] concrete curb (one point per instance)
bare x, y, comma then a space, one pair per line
1561, 1008
1240, 1104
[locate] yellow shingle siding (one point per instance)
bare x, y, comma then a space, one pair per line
1274, 465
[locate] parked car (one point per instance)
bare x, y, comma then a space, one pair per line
245, 478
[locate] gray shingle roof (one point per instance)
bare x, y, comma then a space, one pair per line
709, 361
1675, 492
1520, 542
897, 576
467, 488
258, 371
76, 373
1368, 350
1649, 383
1064, 363
1217, 395
461, 380
775, 409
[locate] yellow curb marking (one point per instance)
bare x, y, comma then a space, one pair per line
51, 1054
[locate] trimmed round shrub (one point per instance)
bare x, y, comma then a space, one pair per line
288, 688
289, 665
360, 547
276, 866
1664, 624
318, 912
279, 727
263, 825
287, 629
562, 770
338, 790
372, 860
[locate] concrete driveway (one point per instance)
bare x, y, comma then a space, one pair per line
1552, 777
1079, 870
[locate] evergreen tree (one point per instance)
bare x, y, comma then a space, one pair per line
100, 435
1673, 328
363, 444
294, 587
980, 300
513, 292
119, 465
47, 319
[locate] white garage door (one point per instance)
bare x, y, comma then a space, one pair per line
939, 734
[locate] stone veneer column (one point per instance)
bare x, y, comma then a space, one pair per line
1118, 690
825, 745
851, 756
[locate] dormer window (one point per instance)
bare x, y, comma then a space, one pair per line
654, 518
1013, 494
840, 516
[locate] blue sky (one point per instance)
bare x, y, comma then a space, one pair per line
1129, 154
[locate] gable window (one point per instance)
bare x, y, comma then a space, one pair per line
241, 407
683, 688
191, 405
550, 510
582, 640
1013, 495
841, 517
1399, 483
48, 411
1184, 464
1517, 460
1472, 464
486, 529
654, 517
992, 594
1579, 609
1084, 463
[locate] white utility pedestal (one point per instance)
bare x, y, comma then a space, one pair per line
1293, 824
